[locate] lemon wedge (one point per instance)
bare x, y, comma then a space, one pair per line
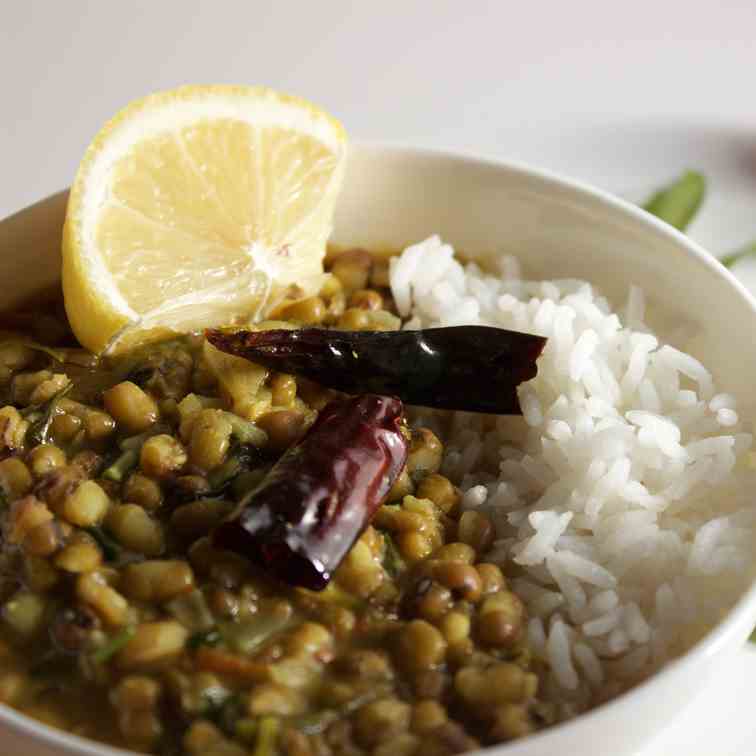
201, 206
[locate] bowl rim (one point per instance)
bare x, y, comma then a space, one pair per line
715, 640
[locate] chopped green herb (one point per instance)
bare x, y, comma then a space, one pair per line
392, 559
59, 355
206, 638
39, 429
247, 481
113, 645
245, 431
239, 460
110, 549
134, 443
678, 203
122, 466
139, 364
729, 260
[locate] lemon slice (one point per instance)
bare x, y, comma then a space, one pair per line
201, 206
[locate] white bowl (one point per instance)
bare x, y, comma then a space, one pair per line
559, 228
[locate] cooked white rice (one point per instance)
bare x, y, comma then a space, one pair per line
623, 491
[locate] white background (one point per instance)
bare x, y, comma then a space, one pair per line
621, 94
511, 79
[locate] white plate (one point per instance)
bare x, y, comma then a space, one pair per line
632, 161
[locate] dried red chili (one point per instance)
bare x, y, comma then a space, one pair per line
472, 368
302, 519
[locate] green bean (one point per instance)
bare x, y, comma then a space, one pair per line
113, 645
678, 203
110, 549
24, 613
729, 260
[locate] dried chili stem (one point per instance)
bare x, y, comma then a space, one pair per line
473, 368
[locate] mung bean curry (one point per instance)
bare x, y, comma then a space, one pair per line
125, 620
